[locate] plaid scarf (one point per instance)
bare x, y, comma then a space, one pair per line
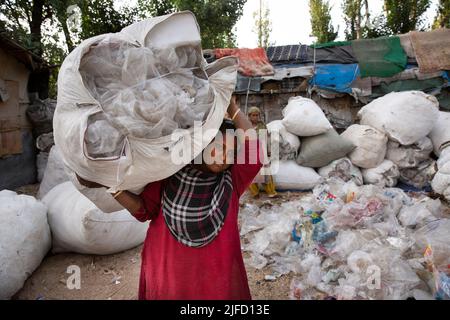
195, 204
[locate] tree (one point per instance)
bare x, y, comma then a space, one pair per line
24, 20
154, 8
263, 25
404, 16
442, 19
353, 17
321, 25
216, 19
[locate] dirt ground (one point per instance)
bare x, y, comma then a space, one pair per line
116, 277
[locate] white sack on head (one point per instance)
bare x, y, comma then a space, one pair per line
385, 175
24, 240
117, 108
406, 117
304, 117
79, 226
370, 145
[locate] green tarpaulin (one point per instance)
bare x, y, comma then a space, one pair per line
381, 57
406, 85
331, 44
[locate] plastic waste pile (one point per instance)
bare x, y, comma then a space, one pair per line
346, 241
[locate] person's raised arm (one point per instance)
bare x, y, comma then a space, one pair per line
237, 116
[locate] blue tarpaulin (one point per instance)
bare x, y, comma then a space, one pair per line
335, 77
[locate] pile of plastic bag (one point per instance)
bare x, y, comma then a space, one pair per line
345, 241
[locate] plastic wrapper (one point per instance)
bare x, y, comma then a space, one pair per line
342, 169
144, 92
419, 176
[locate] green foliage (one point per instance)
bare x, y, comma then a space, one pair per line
442, 19
321, 25
216, 19
263, 25
356, 24
404, 16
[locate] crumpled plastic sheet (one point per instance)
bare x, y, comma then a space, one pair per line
345, 241
144, 92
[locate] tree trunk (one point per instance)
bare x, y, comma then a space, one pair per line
35, 26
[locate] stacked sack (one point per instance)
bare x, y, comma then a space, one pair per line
307, 141
393, 143
405, 118
440, 137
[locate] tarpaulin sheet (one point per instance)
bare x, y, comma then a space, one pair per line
291, 53
432, 49
248, 83
252, 62
331, 44
381, 57
335, 77
406, 85
290, 71
305, 54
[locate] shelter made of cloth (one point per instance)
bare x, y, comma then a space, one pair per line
380, 57
335, 77
432, 49
252, 62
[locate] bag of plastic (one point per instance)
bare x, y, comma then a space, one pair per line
288, 143
385, 175
406, 117
41, 164
440, 135
79, 226
24, 239
291, 176
419, 176
370, 145
409, 156
122, 95
342, 169
320, 150
420, 213
304, 118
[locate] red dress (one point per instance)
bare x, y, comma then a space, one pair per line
173, 271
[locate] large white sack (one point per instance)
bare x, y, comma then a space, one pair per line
385, 175
370, 145
54, 173
291, 176
342, 169
79, 226
406, 117
304, 118
409, 156
139, 160
440, 135
288, 143
441, 181
24, 240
